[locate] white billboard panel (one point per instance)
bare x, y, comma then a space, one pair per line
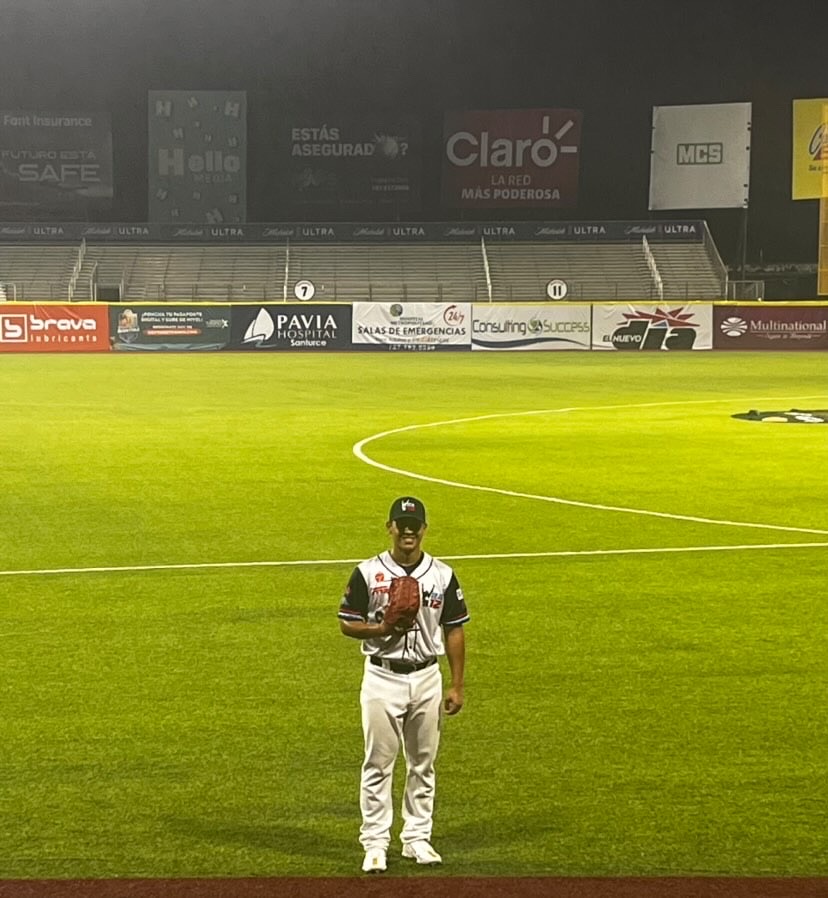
530, 327
700, 156
634, 327
412, 325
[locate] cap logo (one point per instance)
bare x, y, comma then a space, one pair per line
407, 507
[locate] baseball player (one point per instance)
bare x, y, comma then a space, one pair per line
402, 687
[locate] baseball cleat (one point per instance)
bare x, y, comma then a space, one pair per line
374, 861
421, 852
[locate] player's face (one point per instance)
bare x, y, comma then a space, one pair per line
407, 534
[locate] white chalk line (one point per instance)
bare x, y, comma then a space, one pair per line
358, 450
492, 556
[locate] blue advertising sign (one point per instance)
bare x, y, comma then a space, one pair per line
291, 326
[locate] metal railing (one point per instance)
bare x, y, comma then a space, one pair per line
49, 291
608, 291
750, 291
658, 283
93, 282
719, 267
76, 270
287, 270
486, 267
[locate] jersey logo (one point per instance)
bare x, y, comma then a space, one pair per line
432, 598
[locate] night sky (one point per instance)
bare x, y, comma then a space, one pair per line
614, 60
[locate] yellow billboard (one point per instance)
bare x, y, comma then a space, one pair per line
810, 149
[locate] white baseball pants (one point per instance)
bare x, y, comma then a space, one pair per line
399, 709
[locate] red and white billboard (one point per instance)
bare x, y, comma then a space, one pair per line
53, 328
511, 157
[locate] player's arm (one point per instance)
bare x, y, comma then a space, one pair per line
364, 630
455, 614
353, 611
455, 640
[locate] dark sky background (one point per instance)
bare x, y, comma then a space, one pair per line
614, 60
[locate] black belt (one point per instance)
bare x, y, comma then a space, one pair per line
401, 666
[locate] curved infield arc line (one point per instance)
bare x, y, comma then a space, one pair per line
358, 450
208, 565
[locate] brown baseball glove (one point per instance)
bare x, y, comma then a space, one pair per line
403, 603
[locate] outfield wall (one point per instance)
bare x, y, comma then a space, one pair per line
412, 327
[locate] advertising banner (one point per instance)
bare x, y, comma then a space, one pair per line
345, 161
770, 327
79, 327
700, 156
526, 327
350, 232
412, 326
614, 231
55, 162
197, 156
809, 177
169, 327
634, 328
511, 157
285, 326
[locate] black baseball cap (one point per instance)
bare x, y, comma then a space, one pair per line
407, 507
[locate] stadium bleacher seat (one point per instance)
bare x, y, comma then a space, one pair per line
429, 272
498, 270
30, 273
187, 273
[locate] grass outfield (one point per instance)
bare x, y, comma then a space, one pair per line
627, 713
